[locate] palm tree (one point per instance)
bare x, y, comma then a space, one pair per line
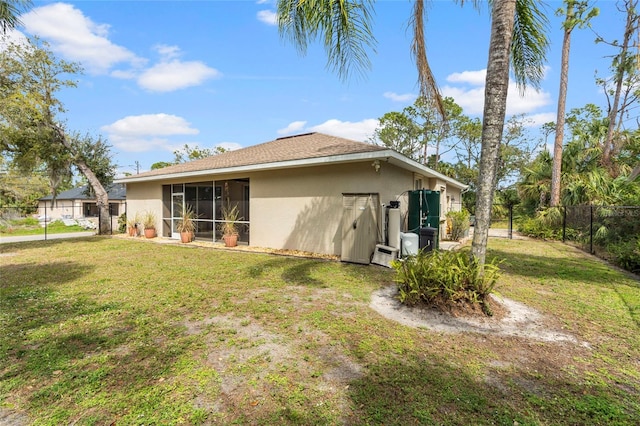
517, 38
534, 187
573, 17
10, 11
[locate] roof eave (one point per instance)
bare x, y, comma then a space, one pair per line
386, 155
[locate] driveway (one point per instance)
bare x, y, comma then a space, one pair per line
22, 238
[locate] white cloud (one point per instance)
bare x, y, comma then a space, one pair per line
13, 37
470, 94
139, 133
531, 101
151, 124
293, 127
229, 146
77, 37
174, 75
475, 78
358, 131
268, 17
471, 100
167, 52
123, 74
541, 118
407, 97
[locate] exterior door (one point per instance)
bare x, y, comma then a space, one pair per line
359, 227
177, 203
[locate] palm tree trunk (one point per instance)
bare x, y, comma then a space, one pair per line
556, 173
495, 103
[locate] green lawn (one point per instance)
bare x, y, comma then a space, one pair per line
121, 331
12, 228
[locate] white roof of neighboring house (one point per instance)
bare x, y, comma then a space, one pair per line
309, 149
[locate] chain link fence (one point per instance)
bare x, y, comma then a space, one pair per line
46, 221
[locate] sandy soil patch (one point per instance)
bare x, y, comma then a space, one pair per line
518, 321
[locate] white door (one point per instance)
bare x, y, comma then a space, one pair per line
177, 204
359, 227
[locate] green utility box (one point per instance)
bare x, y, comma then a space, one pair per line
424, 211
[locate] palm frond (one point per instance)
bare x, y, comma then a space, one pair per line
428, 86
344, 27
10, 11
529, 44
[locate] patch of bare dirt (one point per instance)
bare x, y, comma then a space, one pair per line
242, 351
510, 318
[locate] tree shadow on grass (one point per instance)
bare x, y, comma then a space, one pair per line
26, 275
420, 390
59, 352
6, 248
579, 270
310, 272
293, 271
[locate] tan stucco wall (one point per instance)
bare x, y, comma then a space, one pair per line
143, 197
303, 211
297, 208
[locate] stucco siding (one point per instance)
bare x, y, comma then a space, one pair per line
298, 208
145, 196
302, 209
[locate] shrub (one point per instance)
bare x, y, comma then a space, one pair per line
448, 276
626, 254
122, 223
540, 227
459, 224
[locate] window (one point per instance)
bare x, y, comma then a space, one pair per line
91, 209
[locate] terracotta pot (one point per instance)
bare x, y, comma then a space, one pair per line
133, 231
186, 237
149, 232
230, 240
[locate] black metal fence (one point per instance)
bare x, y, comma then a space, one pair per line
41, 225
593, 228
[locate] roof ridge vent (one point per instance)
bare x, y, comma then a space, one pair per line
295, 136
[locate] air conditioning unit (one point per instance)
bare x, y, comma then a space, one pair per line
383, 255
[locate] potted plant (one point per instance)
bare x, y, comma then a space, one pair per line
149, 223
186, 225
132, 225
229, 228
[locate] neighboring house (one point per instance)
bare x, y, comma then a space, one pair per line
76, 203
311, 192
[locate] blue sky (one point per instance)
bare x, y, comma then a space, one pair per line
161, 74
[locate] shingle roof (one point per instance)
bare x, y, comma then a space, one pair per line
299, 147
116, 191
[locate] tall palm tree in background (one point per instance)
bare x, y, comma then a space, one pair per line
517, 38
573, 17
10, 11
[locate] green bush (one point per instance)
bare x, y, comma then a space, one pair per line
539, 227
626, 254
448, 276
122, 223
30, 221
459, 222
